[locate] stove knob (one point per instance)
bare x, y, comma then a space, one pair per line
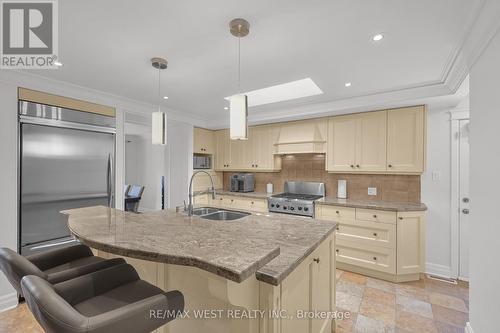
306, 209
277, 205
272, 205
284, 207
300, 208
292, 208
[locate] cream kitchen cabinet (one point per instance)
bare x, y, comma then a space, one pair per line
300, 292
383, 244
411, 242
222, 150
406, 140
258, 205
357, 143
252, 155
203, 141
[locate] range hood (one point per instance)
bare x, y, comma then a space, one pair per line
302, 137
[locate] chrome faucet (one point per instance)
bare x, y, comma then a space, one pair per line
190, 205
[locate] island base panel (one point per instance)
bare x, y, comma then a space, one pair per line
311, 286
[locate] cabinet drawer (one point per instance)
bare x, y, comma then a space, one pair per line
200, 200
337, 213
255, 205
368, 233
372, 257
375, 215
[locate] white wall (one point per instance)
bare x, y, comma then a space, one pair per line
485, 190
436, 194
180, 161
8, 179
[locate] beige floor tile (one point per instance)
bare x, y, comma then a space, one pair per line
449, 316
346, 324
19, 319
353, 277
443, 288
448, 301
412, 292
379, 296
415, 323
347, 301
382, 285
350, 287
406, 304
369, 325
374, 310
446, 328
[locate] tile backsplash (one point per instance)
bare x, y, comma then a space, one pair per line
311, 167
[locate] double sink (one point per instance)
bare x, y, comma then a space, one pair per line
211, 213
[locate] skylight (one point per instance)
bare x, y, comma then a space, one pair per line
283, 92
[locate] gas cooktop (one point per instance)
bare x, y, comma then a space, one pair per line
298, 198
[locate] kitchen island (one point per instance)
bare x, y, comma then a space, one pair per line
255, 274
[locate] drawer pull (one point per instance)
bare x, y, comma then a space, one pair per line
400, 217
357, 165
232, 200
337, 250
338, 228
352, 165
374, 216
252, 202
337, 212
390, 165
375, 234
375, 258
316, 260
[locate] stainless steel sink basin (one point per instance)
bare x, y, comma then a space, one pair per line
225, 215
204, 211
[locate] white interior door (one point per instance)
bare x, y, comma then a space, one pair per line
463, 270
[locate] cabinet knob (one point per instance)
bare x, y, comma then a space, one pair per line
316, 260
375, 258
357, 165
400, 217
232, 200
256, 165
252, 202
374, 216
337, 250
375, 234
390, 165
337, 212
352, 165
338, 228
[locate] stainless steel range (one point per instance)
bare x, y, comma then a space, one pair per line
298, 198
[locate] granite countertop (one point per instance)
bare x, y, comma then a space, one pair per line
379, 205
367, 204
270, 246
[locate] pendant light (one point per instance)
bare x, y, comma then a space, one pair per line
238, 104
159, 118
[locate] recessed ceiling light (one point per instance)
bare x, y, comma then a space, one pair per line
226, 108
348, 84
377, 37
165, 97
58, 64
282, 92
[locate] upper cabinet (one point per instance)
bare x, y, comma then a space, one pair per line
406, 140
203, 141
391, 141
357, 143
255, 154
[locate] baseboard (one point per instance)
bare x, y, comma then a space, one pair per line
438, 270
468, 328
8, 301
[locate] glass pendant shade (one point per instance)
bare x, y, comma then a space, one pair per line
159, 128
238, 112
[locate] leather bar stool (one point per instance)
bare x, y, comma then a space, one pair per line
111, 300
54, 265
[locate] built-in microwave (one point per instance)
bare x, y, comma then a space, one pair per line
202, 162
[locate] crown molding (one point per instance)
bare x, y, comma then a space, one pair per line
62, 88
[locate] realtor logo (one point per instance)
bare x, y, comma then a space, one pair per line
29, 34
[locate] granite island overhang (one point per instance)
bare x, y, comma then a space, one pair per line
265, 262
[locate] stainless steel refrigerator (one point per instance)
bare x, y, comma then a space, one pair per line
66, 161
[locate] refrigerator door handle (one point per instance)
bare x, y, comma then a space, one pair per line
110, 180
